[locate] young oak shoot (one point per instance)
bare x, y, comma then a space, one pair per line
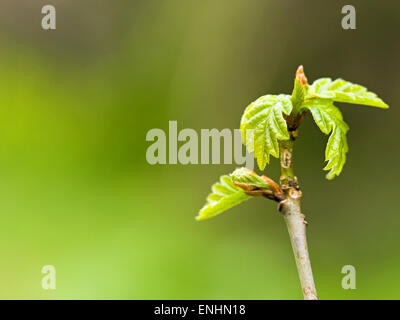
269, 126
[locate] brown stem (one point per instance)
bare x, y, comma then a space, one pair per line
291, 210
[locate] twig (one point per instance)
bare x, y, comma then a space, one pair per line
291, 210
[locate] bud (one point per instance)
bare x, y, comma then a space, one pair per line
300, 76
298, 94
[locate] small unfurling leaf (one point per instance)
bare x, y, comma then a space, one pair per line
299, 90
255, 185
250, 178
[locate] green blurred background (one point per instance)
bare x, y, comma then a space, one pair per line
76, 191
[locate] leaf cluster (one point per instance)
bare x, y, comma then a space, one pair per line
274, 118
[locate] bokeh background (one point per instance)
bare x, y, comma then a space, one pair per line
76, 191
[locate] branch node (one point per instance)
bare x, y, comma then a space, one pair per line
295, 194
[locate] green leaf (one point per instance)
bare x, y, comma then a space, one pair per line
344, 91
298, 95
330, 120
263, 124
224, 196
244, 175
